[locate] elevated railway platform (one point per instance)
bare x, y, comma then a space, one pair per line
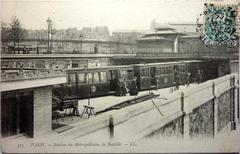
186, 114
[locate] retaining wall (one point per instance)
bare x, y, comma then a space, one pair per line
202, 110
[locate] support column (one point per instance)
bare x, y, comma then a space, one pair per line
42, 111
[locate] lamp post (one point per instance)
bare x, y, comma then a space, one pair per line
81, 43
49, 22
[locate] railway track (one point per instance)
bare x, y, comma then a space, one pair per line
129, 102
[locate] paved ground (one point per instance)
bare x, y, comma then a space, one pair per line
101, 103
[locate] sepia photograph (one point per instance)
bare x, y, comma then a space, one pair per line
119, 76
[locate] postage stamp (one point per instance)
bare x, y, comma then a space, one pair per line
220, 25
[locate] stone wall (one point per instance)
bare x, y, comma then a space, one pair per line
174, 128
201, 121
223, 117
202, 110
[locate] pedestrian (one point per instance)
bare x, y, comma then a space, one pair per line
74, 105
118, 88
177, 79
157, 83
124, 87
188, 78
134, 90
199, 76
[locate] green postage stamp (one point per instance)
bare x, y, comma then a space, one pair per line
220, 25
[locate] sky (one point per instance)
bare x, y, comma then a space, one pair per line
116, 14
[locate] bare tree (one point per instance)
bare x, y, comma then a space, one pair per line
16, 32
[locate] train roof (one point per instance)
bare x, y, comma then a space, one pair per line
130, 66
102, 68
169, 63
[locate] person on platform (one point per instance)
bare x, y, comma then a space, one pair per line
157, 83
199, 76
188, 79
124, 87
177, 79
118, 87
74, 105
134, 90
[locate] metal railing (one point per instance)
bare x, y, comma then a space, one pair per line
14, 75
186, 54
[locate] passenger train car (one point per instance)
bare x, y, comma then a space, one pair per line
93, 82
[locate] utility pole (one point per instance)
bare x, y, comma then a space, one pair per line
49, 22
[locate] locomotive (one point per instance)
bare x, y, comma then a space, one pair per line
94, 82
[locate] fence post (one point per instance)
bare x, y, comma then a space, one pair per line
237, 102
182, 102
182, 109
185, 120
232, 102
111, 127
215, 110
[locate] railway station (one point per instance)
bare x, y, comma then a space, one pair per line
53, 100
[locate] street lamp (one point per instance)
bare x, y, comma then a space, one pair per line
49, 22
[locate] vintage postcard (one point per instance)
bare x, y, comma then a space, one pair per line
120, 76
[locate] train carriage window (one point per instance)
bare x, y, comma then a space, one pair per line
130, 74
164, 70
160, 71
147, 72
114, 74
89, 78
71, 78
95, 77
123, 74
144, 72
170, 70
75, 65
103, 76
167, 70
81, 78
153, 71
180, 68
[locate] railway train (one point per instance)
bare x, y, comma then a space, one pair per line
94, 82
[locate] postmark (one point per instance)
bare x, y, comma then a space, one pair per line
220, 25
